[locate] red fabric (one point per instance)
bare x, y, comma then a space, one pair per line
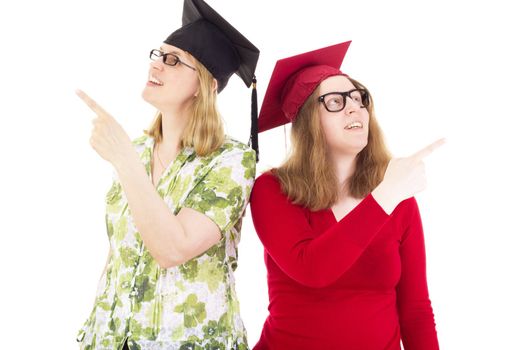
272, 113
301, 85
359, 283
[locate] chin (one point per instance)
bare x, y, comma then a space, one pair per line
355, 147
147, 96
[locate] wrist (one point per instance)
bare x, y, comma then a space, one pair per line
126, 161
385, 198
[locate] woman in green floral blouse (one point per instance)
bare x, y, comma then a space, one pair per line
174, 212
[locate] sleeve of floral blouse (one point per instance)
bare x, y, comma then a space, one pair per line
222, 195
314, 261
418, 329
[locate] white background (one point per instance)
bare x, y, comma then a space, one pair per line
444, 68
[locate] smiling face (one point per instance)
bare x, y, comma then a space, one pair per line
171, 87
346, 131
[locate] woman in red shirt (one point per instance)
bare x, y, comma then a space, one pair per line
342, 233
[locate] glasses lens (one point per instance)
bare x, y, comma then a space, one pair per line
334, 102
356, 96
171, 60
154, 54
364, 98
360, 96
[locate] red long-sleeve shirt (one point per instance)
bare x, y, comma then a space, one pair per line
359, 283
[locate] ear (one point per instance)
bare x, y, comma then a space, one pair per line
214, 87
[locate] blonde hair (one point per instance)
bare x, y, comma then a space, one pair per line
204, 131
308, 178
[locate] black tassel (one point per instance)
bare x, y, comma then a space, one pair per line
254, 135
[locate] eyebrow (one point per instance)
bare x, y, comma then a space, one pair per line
173, 52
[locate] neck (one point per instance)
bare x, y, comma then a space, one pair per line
173, 124
344, 168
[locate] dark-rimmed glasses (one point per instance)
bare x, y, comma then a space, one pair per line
336, 101
168, 58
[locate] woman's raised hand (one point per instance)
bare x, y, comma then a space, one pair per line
404, 177
108, 137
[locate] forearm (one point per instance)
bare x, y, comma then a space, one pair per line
320, 261
159, 228
162, 232
312, 259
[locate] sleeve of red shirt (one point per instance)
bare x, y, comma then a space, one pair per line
314, 261
418, 329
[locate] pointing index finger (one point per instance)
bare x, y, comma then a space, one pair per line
422, 153
91, 103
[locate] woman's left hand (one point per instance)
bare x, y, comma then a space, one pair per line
108, 137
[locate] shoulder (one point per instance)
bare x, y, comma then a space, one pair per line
233, 151
141, 140
232, 146
232, 161
408, 207
267, 183
267, 179
140, 143
268, 199
407, 213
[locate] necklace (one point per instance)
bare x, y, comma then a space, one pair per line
160, 161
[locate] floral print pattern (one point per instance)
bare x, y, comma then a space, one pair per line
190, 306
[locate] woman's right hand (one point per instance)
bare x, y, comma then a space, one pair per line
108, 137
404, 177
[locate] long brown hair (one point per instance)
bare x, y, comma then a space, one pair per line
204, 131
308, 178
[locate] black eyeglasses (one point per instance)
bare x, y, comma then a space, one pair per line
169, 59
336, 101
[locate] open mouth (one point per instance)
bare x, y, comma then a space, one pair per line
155, 81
354, 125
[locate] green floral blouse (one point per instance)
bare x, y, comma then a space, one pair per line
190, 306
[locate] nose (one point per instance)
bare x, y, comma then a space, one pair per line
157, 64
351, 105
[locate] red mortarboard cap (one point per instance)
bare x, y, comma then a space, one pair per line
293, 81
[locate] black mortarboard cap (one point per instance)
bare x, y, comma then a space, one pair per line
215, 43
221, 48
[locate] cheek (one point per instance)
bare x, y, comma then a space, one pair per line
326, 125
323, 122
192, 85
366, 115
185, 87
331, 129
328, 121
